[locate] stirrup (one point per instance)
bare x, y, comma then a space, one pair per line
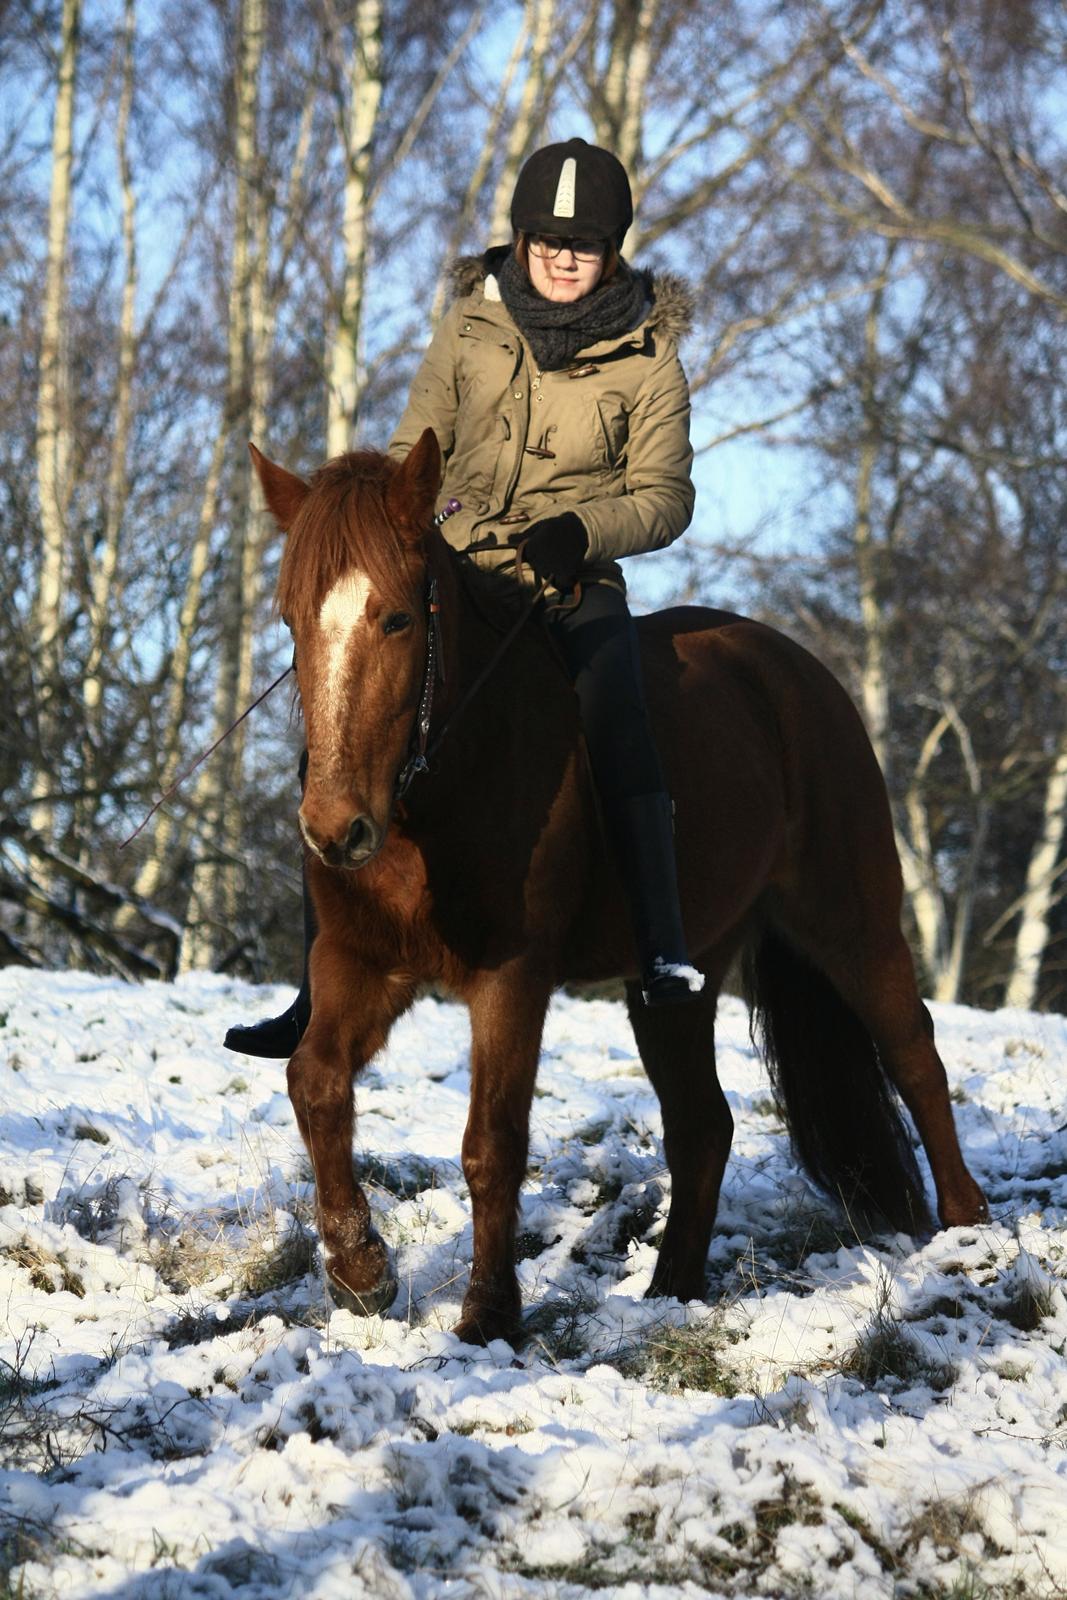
670, 983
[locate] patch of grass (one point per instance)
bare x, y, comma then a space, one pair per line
678, 1359
292, 1257
47, 1272
558, 1327
885, 1353
1024, 1047
954, 1307
475, 1427
796, 1503
252, 1252
85, 1130
945, 1523
191, 1256
403, 1180
33, 1435
863, 1530
1026, 1307
744, 1550
803, 1234
93, 1213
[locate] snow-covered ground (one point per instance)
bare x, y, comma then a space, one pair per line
182, 1415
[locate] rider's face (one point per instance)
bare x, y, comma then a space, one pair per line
564, 277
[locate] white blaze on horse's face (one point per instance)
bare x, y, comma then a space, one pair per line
343, 611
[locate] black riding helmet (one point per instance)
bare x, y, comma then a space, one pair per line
575, 190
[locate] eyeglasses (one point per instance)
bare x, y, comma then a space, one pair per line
549, 245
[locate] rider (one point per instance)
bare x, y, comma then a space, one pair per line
554, 387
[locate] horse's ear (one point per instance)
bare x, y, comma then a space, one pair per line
414, 488
283, 491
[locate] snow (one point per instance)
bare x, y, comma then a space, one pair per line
183, 1414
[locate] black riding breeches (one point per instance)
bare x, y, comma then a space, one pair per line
598, 643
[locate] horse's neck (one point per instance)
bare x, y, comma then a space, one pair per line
498, 687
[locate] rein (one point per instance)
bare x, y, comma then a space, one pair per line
421, 749
176, 785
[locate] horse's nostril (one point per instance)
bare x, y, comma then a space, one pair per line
356, 835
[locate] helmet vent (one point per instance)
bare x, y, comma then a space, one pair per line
563, 205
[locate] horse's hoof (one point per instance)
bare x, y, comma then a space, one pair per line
468, 1331
363, 1302
484, 1328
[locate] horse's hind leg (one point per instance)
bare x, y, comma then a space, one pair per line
887, 999
870, 965
354, 1010
677, 1046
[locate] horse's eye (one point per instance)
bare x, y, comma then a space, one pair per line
396, 622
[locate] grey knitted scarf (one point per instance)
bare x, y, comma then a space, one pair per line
557, 330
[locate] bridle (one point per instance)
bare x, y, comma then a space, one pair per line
418, 759
420, 750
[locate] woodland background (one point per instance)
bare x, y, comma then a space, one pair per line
232, 219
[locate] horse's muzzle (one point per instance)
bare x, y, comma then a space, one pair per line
350, 842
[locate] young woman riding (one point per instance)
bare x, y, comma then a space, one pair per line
554, 387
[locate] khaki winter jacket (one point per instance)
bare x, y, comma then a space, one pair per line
606, 437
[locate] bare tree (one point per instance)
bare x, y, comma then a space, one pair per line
54, 429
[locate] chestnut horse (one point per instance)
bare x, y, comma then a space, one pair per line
491, 877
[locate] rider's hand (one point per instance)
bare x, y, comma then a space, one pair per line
555, 548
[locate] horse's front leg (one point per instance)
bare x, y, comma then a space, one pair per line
507, 1016
354, 1008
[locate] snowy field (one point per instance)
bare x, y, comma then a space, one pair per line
182, 1415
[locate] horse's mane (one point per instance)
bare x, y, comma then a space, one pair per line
343, 524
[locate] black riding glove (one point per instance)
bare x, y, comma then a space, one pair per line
555, 548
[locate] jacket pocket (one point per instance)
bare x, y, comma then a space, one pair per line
612, 428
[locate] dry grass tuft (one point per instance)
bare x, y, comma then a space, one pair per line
50, 1273
677, 1359
253, 1257
886, 1352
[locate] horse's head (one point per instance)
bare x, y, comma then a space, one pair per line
352, 588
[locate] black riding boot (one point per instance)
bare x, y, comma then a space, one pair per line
277, 1037
641, 830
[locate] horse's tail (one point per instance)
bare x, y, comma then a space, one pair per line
842, 1112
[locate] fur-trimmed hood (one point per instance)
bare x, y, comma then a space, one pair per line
668, 298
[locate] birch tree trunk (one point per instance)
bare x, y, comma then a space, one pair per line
103, 578
941, 953
618, 117
261, 319
1046, 864
345, 375
540, 17
216, 798
54, 437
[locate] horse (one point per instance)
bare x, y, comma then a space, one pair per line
485, 871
